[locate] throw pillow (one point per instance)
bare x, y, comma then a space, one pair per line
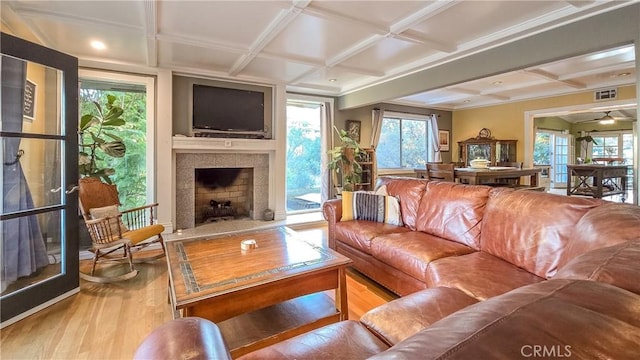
109, 211
361, 205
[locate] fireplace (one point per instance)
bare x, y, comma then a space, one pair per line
220, 187
223, 194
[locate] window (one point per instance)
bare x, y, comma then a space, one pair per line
305, 136
404, 142
135, 94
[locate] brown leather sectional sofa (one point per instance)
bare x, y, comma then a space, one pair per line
484, 273
481, 240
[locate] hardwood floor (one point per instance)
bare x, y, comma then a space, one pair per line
109, 321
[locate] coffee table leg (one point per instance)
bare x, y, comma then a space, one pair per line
341, 295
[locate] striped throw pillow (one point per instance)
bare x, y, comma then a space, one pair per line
362, 205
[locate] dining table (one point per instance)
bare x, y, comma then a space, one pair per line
492, 173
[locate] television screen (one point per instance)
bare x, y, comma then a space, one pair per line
224, 109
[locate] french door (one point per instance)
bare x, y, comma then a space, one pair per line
39, 216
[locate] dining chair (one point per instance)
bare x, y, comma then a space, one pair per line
440, 171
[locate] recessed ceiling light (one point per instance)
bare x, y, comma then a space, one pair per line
497, 82
333, 80
467, 101
624, 74
98, 45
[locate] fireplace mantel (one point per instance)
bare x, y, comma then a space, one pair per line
187, 144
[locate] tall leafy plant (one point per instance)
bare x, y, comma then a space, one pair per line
97, 139
343, 161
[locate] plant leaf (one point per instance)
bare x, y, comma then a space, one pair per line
113, 136
87, 121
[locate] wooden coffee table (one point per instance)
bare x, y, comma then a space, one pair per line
259, 296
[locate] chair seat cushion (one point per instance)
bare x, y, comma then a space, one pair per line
348, 340
479, 274
139, 235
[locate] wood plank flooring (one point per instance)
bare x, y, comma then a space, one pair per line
109, 321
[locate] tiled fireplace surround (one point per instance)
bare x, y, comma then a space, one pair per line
186, 163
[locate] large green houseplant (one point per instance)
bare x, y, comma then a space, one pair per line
97, 139
347, 172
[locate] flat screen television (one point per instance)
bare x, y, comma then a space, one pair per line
218, 109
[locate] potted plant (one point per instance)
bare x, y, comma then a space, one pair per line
343, 161
97, 140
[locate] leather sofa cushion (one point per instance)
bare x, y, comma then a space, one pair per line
409, 191
453, 211
358, 234
403, 317
574, 319
348, 340
411, 252
479, 274
531, 229
621, 222
618, 265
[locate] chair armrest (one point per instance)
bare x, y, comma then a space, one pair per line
184, 338
332, 212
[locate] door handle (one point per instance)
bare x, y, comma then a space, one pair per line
72, 189
56, 190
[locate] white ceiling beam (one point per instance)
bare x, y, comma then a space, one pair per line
477, 93
418, 38
354, 49
549, 76
66, 18
394, 30
151, 29
279, 23
359, 70
427, 12
317, 63
579, 3
599, 70
203, 43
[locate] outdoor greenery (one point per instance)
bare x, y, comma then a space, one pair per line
103, 132
542, 149
403, 144
303, 156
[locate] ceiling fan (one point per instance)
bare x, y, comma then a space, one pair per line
607, 119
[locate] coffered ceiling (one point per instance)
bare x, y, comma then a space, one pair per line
326, 47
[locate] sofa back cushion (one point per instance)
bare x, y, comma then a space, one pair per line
408, 191
531, 229
603, 226
453, 211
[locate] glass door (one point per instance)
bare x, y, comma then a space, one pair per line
39, 217
560, 159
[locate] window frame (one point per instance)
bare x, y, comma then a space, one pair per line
430, 154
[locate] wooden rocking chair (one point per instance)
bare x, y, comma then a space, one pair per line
112, 230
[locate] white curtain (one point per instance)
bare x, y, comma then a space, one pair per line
376, 126
326, 144
435, 143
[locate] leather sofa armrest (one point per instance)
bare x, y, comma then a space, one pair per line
332, 212
403, 317
185, 338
